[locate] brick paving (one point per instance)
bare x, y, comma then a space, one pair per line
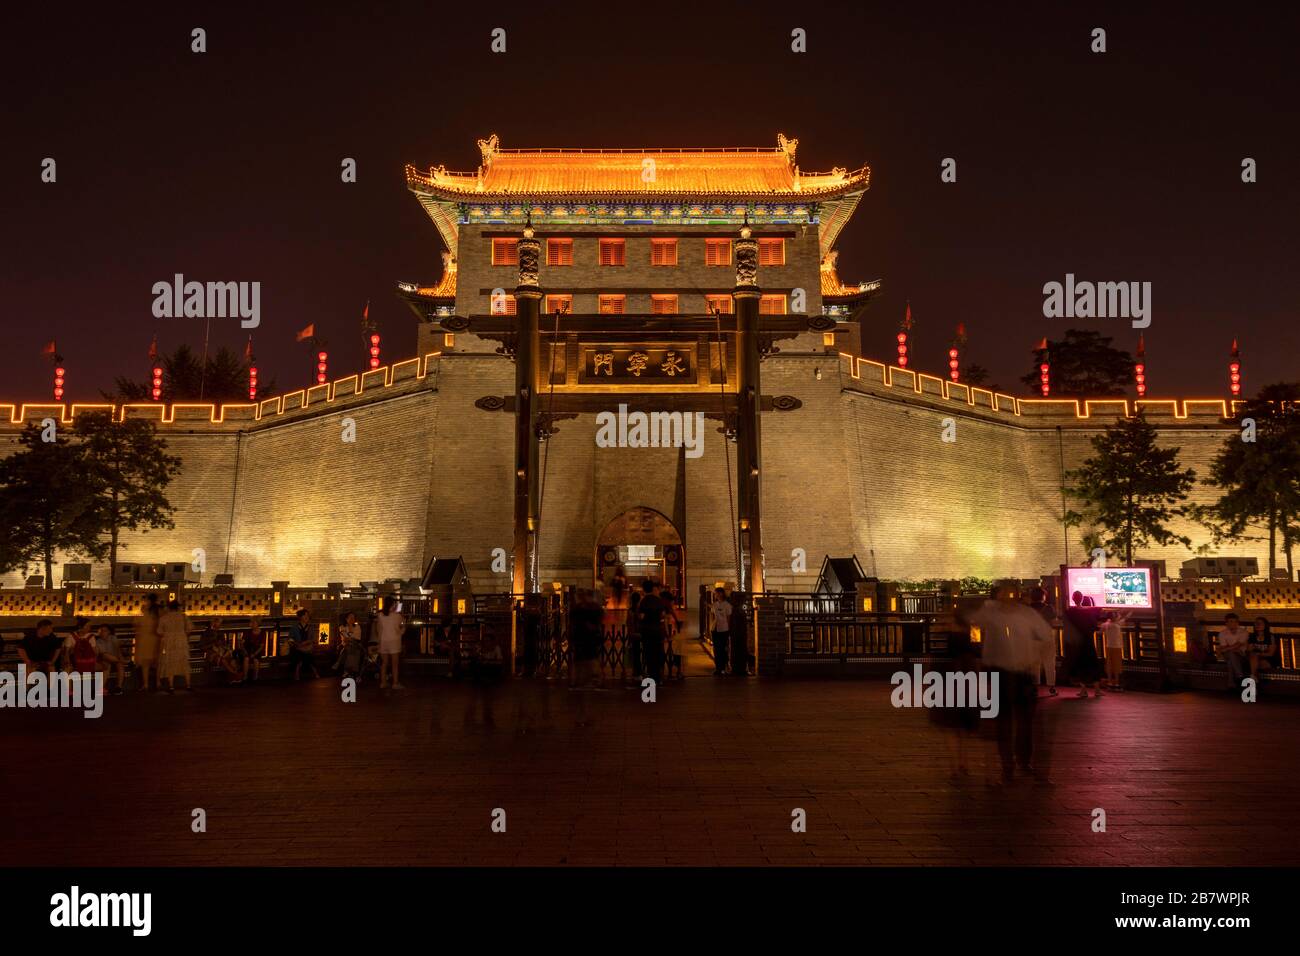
288, 774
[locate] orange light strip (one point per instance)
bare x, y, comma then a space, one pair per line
353, 385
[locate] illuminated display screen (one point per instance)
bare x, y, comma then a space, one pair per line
1111, 587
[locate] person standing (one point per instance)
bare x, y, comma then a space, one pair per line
391, 625
1047, 667
145, 648
721, 613
651, 612
1009, 633
739, 635
173, 648
1112, 634
1080, 626
302, 644
676, 639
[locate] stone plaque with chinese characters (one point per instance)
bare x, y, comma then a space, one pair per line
631, 365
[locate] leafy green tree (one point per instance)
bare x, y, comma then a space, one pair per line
128, 470
1258, 473
975, 375
47, 505
1084, 365
1130, 489
226, 379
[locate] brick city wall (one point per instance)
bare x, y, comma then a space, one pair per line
860, 468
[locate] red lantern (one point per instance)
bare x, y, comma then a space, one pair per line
902, 350
58, 383
252, 383
322, 359
1045, 376
156, 388
1234, 370
952, 365
374, 350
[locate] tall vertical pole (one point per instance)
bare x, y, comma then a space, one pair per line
748, 402
528, 295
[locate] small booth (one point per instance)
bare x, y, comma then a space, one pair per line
1134, 593
450, 597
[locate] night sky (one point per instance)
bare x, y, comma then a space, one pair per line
225, 165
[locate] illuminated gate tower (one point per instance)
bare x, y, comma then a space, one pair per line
659, 279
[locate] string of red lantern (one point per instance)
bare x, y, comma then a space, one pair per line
58, 382
954, 362
1140, 368
1234, 370
902, 336
322, 361
374, 350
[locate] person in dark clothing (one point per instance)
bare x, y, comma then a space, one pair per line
40, 649
739, 636
633, 632
1080, 625
651, 612
532, 625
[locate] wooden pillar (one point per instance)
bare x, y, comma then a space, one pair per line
748, 438
528, 295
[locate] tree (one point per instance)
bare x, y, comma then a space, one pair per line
975, 375
1258, 472
1130, 489
46, 503
226, 379
127, 470
1084, 365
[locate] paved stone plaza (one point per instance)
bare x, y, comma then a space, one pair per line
288, 774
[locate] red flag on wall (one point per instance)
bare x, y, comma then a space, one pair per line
307, 333
50, 348
153, 349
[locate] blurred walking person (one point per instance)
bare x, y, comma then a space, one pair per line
720, 611
145, 647
1047, 667
173, 648
391, 625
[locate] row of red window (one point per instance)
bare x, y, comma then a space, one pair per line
659, 304
613, 252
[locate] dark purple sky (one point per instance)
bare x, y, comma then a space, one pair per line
225, 166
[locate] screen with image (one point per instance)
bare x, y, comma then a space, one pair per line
1110, 587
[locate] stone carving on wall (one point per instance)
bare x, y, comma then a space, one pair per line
490, 403
530, 253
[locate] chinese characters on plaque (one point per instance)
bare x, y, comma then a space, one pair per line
656, 365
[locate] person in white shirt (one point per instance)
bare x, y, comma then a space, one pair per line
1233, 645
721, 610
1112, 633
1011, 638
390, 625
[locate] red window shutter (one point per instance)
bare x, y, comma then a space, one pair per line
559, 252
717, 252
771, 252
505, 252
663, 252
613, 252
611, 304
772, 305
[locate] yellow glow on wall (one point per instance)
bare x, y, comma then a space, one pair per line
449, 339
1237, 590
828, 338
867, 604
460, 605
893, 604
1180, 640
276, 597
435, 605
975, 635
324, 637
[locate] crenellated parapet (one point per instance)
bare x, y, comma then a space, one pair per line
387, 381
